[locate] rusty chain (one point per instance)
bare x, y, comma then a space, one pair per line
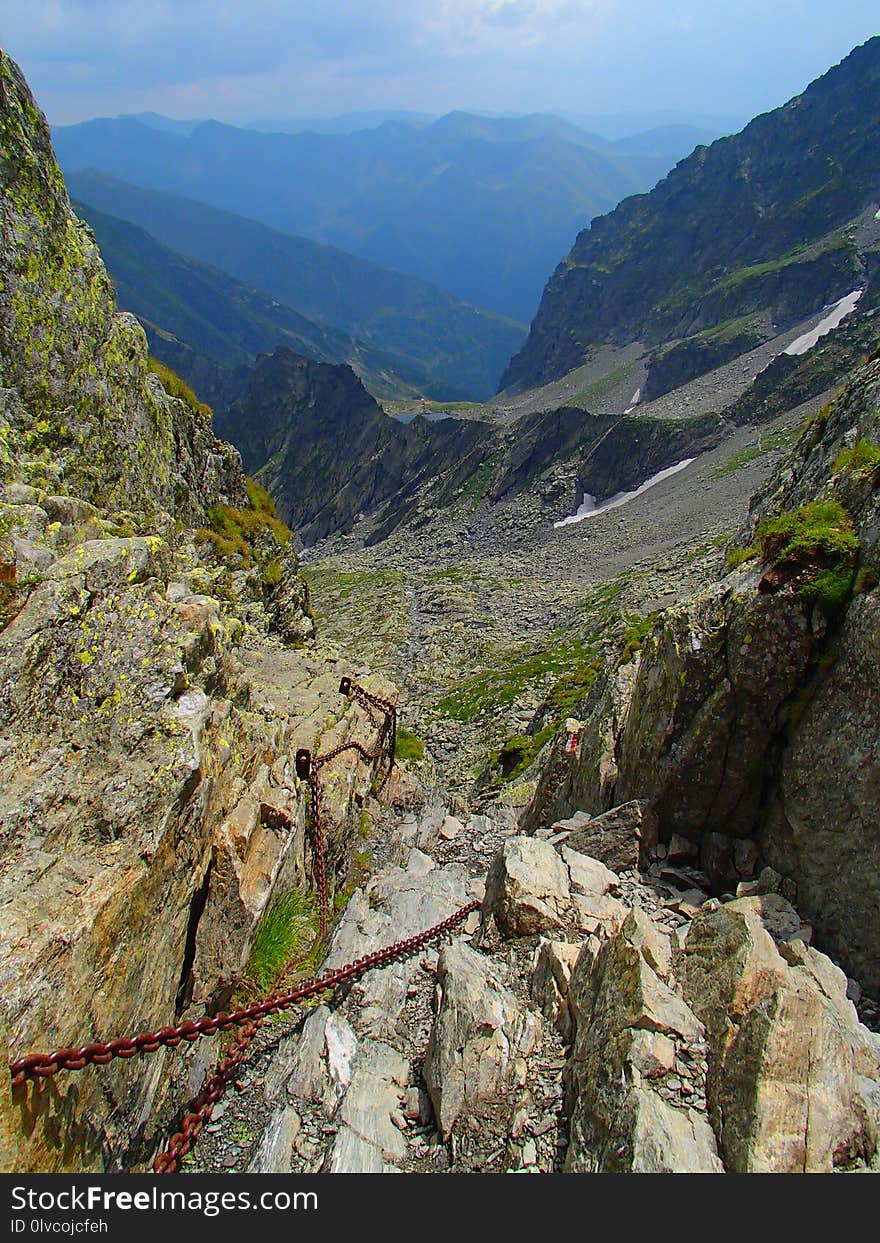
200, 1112
309, 765
249, 1018
42, 1065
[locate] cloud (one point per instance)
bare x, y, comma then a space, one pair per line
307, 57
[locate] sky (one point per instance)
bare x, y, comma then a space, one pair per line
238, 61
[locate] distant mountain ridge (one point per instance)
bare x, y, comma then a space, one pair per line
741, 239
424, 334
481, 206
206, 325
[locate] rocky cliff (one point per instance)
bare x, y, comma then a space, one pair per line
330, 455
748, 721
741, 240
150, 694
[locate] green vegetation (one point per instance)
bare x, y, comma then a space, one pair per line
234, 532
602, 387
822, 528
175, 387
769, 442
637, 629
477, 485
806, 253
408, 746
735, 556
815, 546
486, 694
564, 696
286, 936
862, 459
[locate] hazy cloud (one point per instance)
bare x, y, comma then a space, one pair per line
308, 57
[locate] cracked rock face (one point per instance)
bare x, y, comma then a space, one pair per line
148, 812
747, 724
786, 1049
475, 1059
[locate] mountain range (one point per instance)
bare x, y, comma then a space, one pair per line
482, 206
741, 240
430, 340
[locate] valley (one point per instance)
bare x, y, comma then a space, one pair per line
479, 615
526, 682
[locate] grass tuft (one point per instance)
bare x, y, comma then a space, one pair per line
287, 935
408, 746
862, 459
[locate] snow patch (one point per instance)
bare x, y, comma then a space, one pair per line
589, 508
634, 401
836, 313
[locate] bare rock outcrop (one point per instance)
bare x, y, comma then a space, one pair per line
748, 722
149, 809
789, 1063
476, 1056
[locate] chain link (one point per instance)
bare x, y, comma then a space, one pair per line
368, 702
200, 1111
249, 1018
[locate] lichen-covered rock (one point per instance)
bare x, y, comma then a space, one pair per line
528, 889
85, 407
139, 775
148, 810
475, 1060
788, 1058
630, 1026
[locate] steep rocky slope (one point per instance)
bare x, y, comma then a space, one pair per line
334, 460
742, 239
749, 718
150, 690
594, 1018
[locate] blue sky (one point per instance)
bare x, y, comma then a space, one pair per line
295, 58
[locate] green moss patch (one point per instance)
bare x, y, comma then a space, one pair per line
233, 533
815, 549
862, 459
736, 556
408, 746
175, 387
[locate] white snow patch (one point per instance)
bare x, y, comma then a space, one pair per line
634, 401
877, 215
836, 313
589, 509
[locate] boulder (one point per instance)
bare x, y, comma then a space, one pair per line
784, 1083
528, 889
589, 876
275, 1148
598, 914
629, 1028
326, 1051
476, 1056
618, 838
551, 975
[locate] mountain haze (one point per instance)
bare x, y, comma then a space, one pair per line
479, 205
457, 349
